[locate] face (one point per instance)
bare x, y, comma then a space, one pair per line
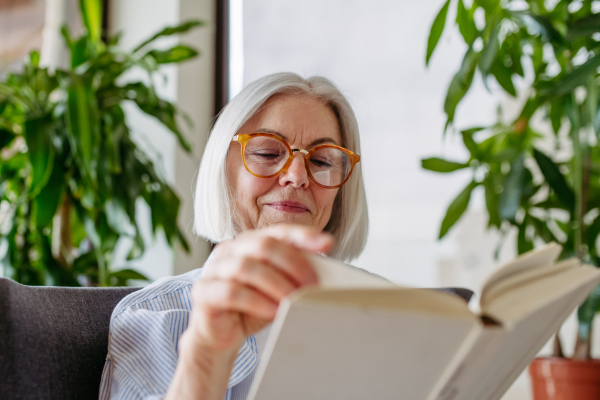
290, 197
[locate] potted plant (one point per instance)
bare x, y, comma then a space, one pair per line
70, 174
546, 195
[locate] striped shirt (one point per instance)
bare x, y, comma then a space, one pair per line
144, 334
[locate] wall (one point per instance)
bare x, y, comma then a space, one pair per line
191, 86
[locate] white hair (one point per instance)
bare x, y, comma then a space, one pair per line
213, 201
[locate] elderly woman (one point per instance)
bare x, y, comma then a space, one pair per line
280, 177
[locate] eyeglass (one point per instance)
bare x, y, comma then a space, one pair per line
266, 155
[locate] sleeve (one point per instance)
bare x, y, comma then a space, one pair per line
142, 354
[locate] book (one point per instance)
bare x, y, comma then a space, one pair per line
358, 336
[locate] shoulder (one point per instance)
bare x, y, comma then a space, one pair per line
171, 292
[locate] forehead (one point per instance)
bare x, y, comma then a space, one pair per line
299, 118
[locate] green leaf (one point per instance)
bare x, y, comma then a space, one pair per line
576, 77
539, 25
91, 232
84, 262
173, 55
137, 248
523, 243
57, 274
529, 108
504, 77
488, 5
91, 11
457, 209
466, 24
512, 52
491, 200
48, 199
555, 179
583, 27
64, 31
41, 151
117, 217
488, 55
162, 110
467, 136
182, 241
120, 278
587, 312
186, 26
591, 233
80, 52
436, 31
6, 137
83, 126
440, 165
596, 123
460, 83
542, 229
3, 103
34, 58
556, 114
510, 198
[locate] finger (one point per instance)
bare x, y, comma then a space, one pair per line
251, 272
306, 238
281, 255
216, 295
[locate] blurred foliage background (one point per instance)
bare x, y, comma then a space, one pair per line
70, 175
546, 186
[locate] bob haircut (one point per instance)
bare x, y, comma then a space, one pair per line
213, 201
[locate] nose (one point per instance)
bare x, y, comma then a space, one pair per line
296, 174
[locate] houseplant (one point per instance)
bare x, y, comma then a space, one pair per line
70, 174
545, 186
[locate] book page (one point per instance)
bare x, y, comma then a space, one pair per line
519, 302
405, 299
514, 281
334, 274
332, 350
537, 258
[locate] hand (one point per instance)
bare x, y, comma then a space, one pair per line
237, 296
241, 287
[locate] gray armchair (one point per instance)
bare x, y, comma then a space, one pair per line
53, 340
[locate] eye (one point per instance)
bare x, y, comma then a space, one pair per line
321, 162
266, 154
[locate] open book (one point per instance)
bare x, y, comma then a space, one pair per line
357, 336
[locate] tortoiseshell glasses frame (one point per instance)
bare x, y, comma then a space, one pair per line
244, 138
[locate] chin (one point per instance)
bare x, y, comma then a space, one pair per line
291, 220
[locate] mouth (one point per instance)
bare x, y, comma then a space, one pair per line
289, 206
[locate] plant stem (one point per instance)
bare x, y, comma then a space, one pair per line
583, 348
557, 348
64, 247
579, 148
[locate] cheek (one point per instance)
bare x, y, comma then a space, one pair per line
251, 188
248, 189
325, 199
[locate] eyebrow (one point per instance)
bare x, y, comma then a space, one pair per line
313, 143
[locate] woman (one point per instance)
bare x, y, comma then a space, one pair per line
280, 176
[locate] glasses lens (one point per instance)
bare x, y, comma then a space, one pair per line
265, 156
329, 166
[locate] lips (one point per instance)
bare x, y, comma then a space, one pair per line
289, 206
